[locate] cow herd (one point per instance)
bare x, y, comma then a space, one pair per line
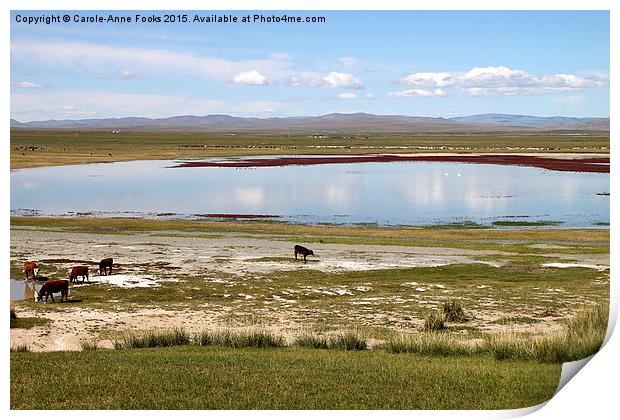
81, 271
62, 286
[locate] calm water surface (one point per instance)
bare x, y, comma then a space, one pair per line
411, 193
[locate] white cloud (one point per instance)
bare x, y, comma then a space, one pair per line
105, 58
502, 81
493, 77
321, 80
29, 85
253, 77
348, 95
441, 79
497, 81
128, 74
417, 92
342, 80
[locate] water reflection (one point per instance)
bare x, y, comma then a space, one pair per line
400, 192
21, 289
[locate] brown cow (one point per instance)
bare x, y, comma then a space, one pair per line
104, 265
303, 251
51, 287
31, 267
80, 270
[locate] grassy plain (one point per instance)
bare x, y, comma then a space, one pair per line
195, 377
34, 148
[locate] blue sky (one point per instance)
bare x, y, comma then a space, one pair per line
410, 63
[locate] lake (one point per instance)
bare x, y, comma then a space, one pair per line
394, 193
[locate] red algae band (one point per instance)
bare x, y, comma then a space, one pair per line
600, 165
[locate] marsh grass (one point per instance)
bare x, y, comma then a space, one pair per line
453, 311
348, 340
312, 341
239, 339
434, 321
582, 336
132, 340
20, 348
585, 332
89, 344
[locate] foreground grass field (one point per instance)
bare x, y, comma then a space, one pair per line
521, 317
33, 148
190, 377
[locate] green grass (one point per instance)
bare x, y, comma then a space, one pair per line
432, 344
195, 377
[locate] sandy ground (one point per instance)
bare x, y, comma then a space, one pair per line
181, 256
229, 253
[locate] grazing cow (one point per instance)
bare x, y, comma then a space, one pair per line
104, 265
51, 287
80, 270
303, 251
31, 267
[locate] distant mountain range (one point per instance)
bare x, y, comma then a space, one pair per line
334, 123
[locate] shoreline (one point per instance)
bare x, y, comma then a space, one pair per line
575, 164
588, 158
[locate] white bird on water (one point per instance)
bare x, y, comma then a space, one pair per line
458, 174
446, 174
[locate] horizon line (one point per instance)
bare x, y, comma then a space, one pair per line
309, 116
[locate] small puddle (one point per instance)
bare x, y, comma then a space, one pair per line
21, 289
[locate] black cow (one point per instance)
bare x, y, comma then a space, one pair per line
104, 265
303, 251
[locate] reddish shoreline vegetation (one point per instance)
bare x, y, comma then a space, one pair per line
600, 165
